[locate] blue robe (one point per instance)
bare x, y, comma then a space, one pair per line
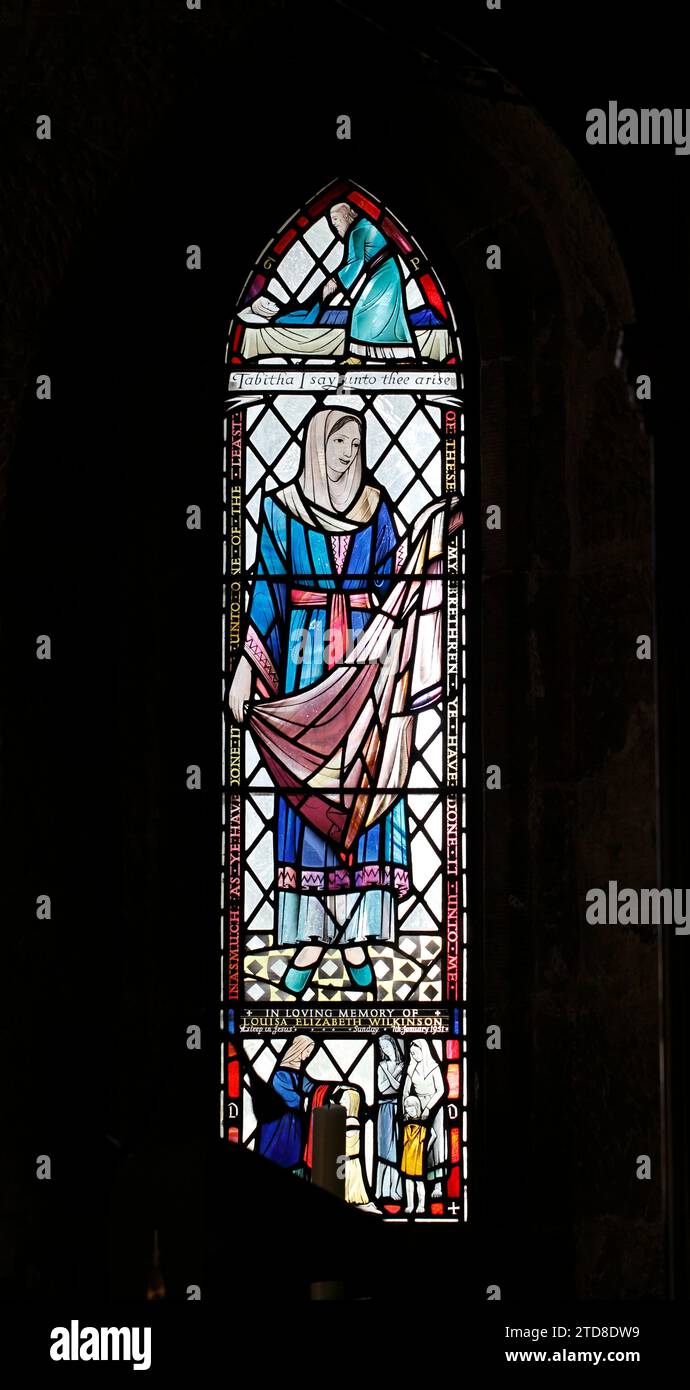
378, 315
323, 894
283, 1140
389, 1075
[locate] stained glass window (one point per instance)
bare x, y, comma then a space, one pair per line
344, 890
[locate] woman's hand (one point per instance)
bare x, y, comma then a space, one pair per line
264, 306
455, 516
241, 689
329, 288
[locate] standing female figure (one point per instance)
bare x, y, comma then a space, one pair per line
389, 1079
424, 1081
326, 560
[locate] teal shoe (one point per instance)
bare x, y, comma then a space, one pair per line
362, 976
296, 981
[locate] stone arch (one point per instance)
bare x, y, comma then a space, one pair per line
567, 584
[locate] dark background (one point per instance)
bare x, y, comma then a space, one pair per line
172, 128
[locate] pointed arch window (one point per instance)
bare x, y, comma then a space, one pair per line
344, 893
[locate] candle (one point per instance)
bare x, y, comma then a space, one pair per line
328, 1152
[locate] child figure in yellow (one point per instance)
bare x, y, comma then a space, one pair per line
412, 1165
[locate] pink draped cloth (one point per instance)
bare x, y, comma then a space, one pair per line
340, 750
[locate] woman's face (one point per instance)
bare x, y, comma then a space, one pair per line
342, 449
302, 1047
